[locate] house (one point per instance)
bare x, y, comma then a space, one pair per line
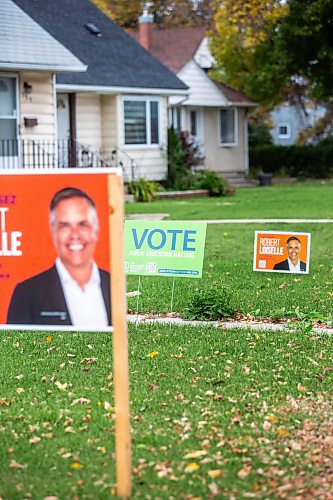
106, 106
287, 121
212, 112
29, 59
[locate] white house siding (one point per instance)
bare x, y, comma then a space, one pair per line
89, 120
149, 161
223, 159
202, 91
38, 104
109, 123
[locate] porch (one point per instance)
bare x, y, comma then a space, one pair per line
46, 154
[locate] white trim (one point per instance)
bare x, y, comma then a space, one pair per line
287, 135
99, 89
235, 142
17, 116
43, 67
55, 118
51, 328
62, 171
246, 143
147, 100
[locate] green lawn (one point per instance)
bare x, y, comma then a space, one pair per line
229, 254
215, 414
296, 200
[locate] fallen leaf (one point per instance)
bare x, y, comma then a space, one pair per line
34, 440
20, 390
60, 386
244, 472
15, 465
282, 432
76, 466
152, 354
215, 473
266, 425
69, 429
196, 454
193, 466
48, 339
80, 401
88, 361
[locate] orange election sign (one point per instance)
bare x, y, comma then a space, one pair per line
26, 244
282, 252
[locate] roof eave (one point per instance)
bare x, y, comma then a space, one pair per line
100, 89
43, 67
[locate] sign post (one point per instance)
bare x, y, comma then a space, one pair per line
120, 342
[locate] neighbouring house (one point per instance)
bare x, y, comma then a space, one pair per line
81, 91
212, 112
287, 121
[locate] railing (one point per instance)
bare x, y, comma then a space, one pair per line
39, 154
30, 153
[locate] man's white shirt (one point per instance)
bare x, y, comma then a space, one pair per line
294, 269
86, 306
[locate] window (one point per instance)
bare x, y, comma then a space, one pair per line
193, 123
283, 131
141, 119
175, 119
228, 127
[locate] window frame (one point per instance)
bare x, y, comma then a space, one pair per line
287, 135
175, 118
234, 143
148, 100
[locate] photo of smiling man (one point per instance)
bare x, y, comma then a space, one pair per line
292, 263
74, 291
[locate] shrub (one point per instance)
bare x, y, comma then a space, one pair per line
143, 189
259, 134
177, 168
212, 304
183, 157
207, 179
297, 161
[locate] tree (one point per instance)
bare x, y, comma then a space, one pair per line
167, 13
243, 47
273, 50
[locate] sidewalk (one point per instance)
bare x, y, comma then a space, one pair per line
228, 325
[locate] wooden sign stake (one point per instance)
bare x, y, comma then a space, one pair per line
120, 344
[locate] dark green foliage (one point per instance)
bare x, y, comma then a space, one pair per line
183, 157
305, 39
210, 304
259, 134
296, 161
178, 170
143, 189
207, 179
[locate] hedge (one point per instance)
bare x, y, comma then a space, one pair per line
296, 161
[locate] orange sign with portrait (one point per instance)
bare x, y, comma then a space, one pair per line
283, 252
29, 246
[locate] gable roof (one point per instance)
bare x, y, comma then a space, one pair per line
234, 96
25, 45
174, 47
114, 59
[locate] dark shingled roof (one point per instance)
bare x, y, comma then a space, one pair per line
114, 59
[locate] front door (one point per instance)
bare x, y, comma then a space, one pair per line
9, 144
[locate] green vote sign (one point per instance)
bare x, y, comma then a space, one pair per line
165, 248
